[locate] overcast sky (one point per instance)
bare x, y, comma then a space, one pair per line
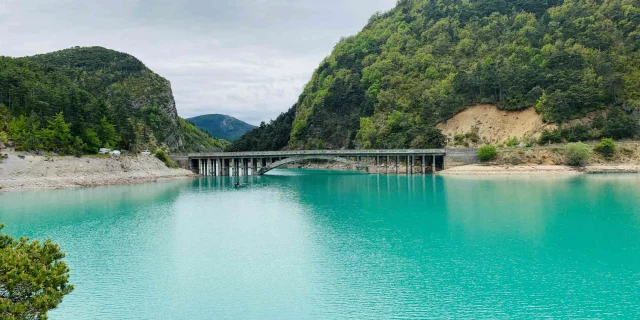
245, 58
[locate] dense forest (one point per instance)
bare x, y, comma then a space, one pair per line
267, 137
78, 100
426, 60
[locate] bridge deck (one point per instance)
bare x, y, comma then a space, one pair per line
235, 163
352, 153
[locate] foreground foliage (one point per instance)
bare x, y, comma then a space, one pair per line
425, 60
33, 278
577, 153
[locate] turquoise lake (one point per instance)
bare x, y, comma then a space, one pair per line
326, 245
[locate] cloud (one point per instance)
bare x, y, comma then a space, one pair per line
246, 58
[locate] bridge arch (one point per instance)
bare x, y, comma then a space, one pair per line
314, 157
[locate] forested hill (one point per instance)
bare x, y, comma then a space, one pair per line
425, 60
222, 126
80, 99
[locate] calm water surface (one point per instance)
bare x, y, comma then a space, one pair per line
315, 245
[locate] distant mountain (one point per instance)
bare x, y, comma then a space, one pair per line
222, 126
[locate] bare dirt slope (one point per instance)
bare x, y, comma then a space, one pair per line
493, 125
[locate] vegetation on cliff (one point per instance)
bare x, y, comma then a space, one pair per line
266, 137
221, 126
425, 60
97, 97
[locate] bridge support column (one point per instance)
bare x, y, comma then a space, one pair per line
236, 167
433, 165
424, 168
406, 165
411, 164
397, 164
387, 165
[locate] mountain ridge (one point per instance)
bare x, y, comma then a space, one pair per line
221, 126
95, 90
424, 61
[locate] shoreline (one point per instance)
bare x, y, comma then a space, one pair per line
489, 169
24, 172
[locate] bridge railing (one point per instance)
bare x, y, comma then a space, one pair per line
257, 154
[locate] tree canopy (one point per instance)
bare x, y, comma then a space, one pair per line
33, 278
96, 98
425, 60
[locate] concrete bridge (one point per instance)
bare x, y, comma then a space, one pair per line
409, 161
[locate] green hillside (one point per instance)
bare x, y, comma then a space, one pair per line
80, 99
424, 61
222, 126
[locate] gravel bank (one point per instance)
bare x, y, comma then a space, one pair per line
21, 172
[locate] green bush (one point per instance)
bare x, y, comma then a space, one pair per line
487, 153
472, 136
162, 155
459, 139
620, 125
576, 133
513, 142
577, 153
550, 137
4, 138
606, 147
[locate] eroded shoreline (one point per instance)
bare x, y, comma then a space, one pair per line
20, 172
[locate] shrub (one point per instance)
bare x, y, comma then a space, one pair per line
459, 139
577, 153
550, 137
620, 125
472, 136
576, 133
606, 147
487, 153
4, 138
162, 155
513, 142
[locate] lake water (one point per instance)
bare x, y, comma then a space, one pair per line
326, 245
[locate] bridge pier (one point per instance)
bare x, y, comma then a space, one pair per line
258, 163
